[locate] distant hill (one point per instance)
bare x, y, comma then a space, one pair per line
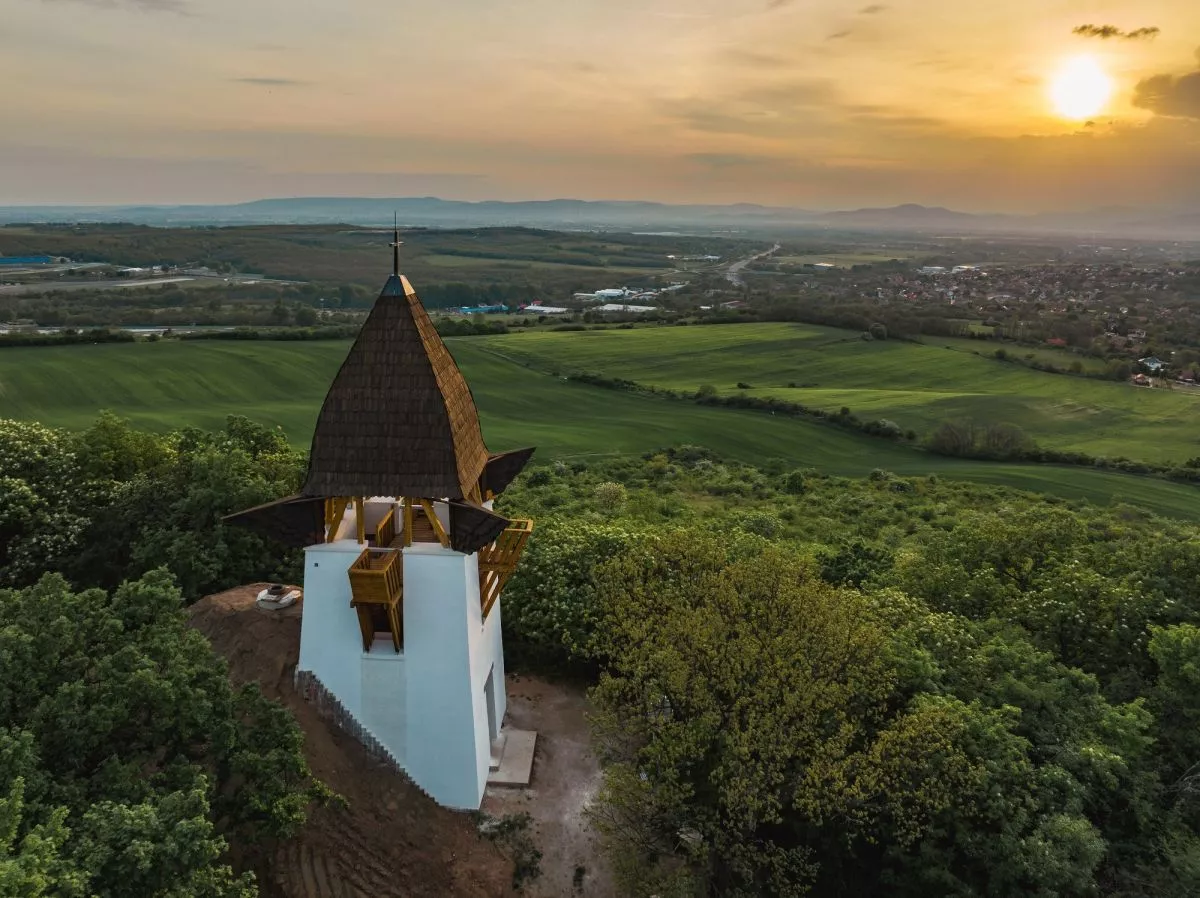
569, 214
909, 216
423, 212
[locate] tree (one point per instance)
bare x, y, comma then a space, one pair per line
1176, 702
768, 734
953, 438
118, 726
726, 755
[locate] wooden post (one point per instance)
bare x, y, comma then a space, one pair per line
408, 521
335, 509
436, 523
360, 519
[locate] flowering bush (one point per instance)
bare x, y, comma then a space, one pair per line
550, 605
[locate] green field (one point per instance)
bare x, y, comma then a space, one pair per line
916, 385
166, 385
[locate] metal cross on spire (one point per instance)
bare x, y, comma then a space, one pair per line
396, 244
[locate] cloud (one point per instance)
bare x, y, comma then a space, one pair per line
176, 6
1172, 95
751, 59
874, 9
730, 160
1108, 32
270, 82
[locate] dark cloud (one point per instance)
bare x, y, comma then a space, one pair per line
1108, 32
873, 10
1173, 95
271, 82
755, 60
175, 6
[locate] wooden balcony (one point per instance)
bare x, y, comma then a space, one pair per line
498, 561
376, 593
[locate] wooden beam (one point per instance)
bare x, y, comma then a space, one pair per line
408, 521
335, 510
436, 524
360, 520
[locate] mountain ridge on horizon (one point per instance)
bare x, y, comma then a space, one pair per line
430, 211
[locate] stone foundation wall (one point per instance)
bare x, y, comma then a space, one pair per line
332, 710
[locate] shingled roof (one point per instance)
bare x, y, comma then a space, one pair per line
399, 419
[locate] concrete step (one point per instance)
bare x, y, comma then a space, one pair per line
497, 751
516, 764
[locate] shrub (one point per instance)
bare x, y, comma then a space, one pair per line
794, 483
610, 497
762, 523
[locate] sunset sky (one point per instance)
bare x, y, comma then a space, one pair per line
812, 103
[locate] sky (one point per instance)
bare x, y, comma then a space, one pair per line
817, 104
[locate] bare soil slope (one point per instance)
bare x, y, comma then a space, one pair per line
389, 840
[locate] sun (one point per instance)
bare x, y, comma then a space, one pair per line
1080, 89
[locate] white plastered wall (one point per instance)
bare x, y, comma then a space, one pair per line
426, 705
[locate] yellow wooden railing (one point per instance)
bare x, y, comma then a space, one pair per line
385, 530
377, 580
498, 561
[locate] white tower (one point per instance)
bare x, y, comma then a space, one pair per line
405, 560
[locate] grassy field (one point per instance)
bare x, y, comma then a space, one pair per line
916, 385
167, 385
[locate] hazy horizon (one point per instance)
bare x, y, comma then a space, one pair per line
815, 105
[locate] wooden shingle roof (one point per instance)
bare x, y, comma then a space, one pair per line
399, 419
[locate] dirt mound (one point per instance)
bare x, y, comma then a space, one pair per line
389, 840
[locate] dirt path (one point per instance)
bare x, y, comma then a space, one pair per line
566, 776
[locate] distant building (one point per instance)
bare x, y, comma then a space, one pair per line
26, 260
21, 326
621, 307
537, 308
1152, 364
482, 310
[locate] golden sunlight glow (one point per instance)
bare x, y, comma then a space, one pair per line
1080, 89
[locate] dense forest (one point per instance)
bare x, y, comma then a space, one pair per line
808, 685
803, 684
